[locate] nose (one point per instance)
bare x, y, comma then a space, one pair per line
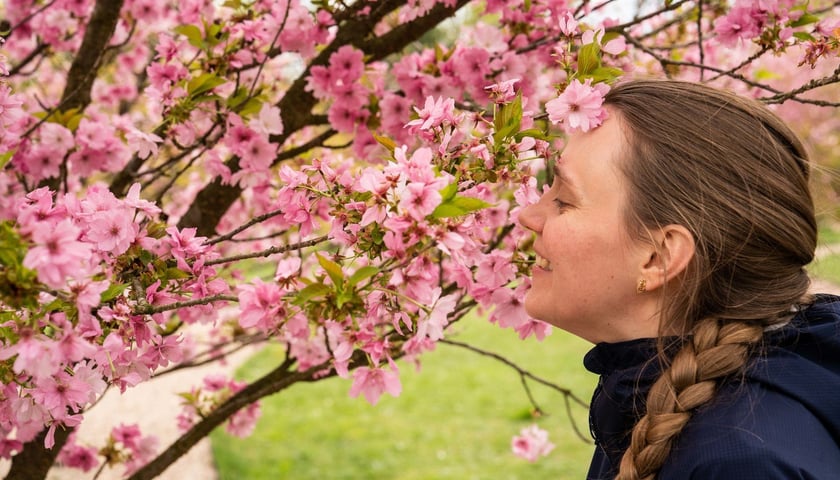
532, 218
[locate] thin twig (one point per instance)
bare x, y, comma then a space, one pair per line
249, 224
815, 83
568, 395
269, 251
152, 309
520, 370
30, 17
702, 52
195, 362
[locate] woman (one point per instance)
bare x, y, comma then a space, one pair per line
675, 237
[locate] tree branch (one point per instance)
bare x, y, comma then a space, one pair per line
35, 460
269, 251
100, 29
275, 381
152, 309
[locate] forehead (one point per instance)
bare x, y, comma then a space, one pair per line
589, 163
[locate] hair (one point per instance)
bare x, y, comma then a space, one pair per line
732, 173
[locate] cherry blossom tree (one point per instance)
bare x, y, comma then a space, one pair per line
371, 155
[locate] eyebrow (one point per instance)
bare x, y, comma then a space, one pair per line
560, 176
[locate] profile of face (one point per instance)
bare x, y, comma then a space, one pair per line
588, 265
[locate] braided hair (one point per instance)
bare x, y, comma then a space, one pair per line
732, 173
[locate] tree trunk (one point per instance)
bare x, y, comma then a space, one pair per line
35, 460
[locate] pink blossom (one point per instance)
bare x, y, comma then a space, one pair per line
502, 92
132, 199
112, 231
60, 392
241, 424
261, 305
344, 117
419, 200
9, 446
10, 111
77, 456
531, 443
744, 21
537, 328
495, 269
57, 136
471, 65
36, 355
142, 143
510, 308
162, 351
579, 106
434, 325
184, 244
373, 382
58, 254
257, 154
435, 112
268, 121
347, 64
616, 46
568, 25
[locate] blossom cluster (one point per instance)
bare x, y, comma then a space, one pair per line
377, 183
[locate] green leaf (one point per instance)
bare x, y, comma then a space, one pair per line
215, 35
533, 133
333, 269
764, 74
174, 273
458, 206
448, 192
344, 298
804, 36
192, 33
309, 292
189, 397
5, 157
386, 142
805, 19
589, 58
508, 116
112, 292
203, 83
605, 74
362, 274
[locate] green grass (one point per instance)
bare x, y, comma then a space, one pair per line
828, 234
454, 419
827, 268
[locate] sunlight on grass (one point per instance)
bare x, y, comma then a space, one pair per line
454, 419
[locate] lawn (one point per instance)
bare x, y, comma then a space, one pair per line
454, 419
827, 266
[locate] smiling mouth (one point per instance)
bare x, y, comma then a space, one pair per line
542, 263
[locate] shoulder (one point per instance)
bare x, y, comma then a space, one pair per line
752, 432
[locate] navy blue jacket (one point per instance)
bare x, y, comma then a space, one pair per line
782, 421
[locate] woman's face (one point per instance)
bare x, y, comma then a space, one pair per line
588, 267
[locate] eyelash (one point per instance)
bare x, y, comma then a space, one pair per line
561, 205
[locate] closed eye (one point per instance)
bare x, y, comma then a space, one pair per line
561, 205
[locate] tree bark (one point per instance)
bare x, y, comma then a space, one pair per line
83, 70
34, 461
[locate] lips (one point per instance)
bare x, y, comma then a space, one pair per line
542, 263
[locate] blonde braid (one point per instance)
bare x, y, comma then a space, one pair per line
716, 350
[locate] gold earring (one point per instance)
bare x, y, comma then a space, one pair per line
642, 286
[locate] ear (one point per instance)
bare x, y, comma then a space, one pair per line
671, 249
